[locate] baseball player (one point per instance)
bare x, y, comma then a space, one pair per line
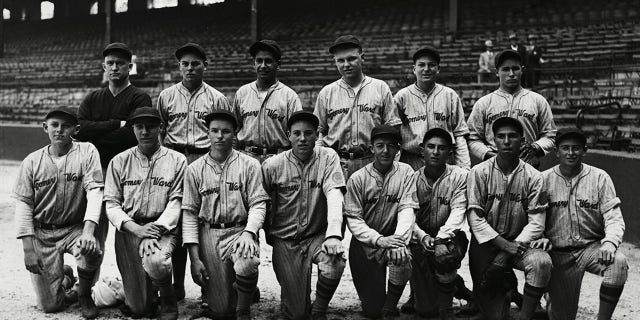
511, 100
350, 107
379, 209
305, 221
103, 113
143, 194
425, 105
438, 244
585, 227
59, 197
183, 107
223, 208
506, 211
264, 106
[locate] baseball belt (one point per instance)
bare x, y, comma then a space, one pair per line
260, 151
45, 226
189, 149
358, 154
225, 225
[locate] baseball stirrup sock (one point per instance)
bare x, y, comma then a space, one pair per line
245, 285
325, 288
85, 279
445, 295
530, 298
609, 297
394, 292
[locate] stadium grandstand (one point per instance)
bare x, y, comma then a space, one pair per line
51, 49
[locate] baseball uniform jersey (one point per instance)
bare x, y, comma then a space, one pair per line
263, 115
422, 111
529, 107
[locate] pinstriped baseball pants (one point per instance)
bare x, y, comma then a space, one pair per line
50, 246
292, 263
216, 246
568, 270
139, 272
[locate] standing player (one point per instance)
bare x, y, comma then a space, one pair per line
103, 113
59, 196
379, 208
264, 106
585, 227
143, 194
506, 211
350, 107
511, 100
305, 223
183, 107
223, 208
425, 105
441, 245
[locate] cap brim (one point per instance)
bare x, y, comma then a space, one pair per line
311, 118
344, 45
119, 50
190, 49
253, 50
62, 113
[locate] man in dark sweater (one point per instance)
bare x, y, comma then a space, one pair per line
103, 113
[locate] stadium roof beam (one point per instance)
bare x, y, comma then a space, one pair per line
453, 16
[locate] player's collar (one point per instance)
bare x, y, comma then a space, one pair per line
503, 93
495, 165
447, 171
365, 81
419, 92
213, 163
293, 158
275, 86
186, 91
586, 169
157, 154
375, 173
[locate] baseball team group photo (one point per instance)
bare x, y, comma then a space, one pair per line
280, 159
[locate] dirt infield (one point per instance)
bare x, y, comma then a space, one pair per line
17, 300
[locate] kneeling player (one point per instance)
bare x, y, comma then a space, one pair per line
379, 208
585, 227
506, 212
143, 196
59, 193
223, 208
440, 247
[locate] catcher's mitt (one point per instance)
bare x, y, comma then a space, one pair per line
498, 277
450, 260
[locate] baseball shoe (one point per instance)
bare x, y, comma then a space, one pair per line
469, 309
88, 307
319, 316
256, 295
390, 313
179, 290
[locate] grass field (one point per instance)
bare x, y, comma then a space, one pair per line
17, 300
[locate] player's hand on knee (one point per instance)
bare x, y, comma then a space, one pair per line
246, 246
149, 230
607, 253
199, 273
148, 246
427, 243
398, 256
87, 244
515, 248
389, 242
33, 262
332, 246
543, 244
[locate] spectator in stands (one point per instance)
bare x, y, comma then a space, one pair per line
485, 62
533, 62
515, 45
183, 107
103, 113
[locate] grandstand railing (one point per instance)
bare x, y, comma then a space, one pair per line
604, 131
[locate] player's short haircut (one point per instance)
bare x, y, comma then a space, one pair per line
507, 55
507, 122
221, 115
266, 45
305, 116
440, 133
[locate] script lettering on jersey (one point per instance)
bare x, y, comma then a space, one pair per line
365, 108
444, 201
73, 176
159, 181
422, 117
176, 116
524, 113
558, 204
387, 197
131, 183
288, 188
333, 113
514, 197
315, 184
201, 114
210, 191
273, 114
252, 113
441, 116
234, 186
583, 203
39, 184
493, 117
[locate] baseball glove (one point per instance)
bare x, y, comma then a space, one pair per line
449, 259
499, 277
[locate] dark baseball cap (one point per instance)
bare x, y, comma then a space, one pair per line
266, 45
144, 112
507, 122
383, 130
427, 51
222, 115
567, 133
506, 54
191, 48
65, 111
346, 41
117, 47
440, 133
303, 115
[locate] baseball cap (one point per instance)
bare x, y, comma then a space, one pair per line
267, 45
223, 115
191, 48
567, 133
440, 133
144, 112
303, 115
383, 130
506, 54
117, 47
488, 43
507, 122
427, 51
64, 110
346, 41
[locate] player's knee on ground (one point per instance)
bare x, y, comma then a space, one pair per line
399, 274
330, 267
51, 302
158, 264
246, 266
615, 275
537, 268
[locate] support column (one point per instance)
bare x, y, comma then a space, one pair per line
453, 16
107, 21
255, 21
